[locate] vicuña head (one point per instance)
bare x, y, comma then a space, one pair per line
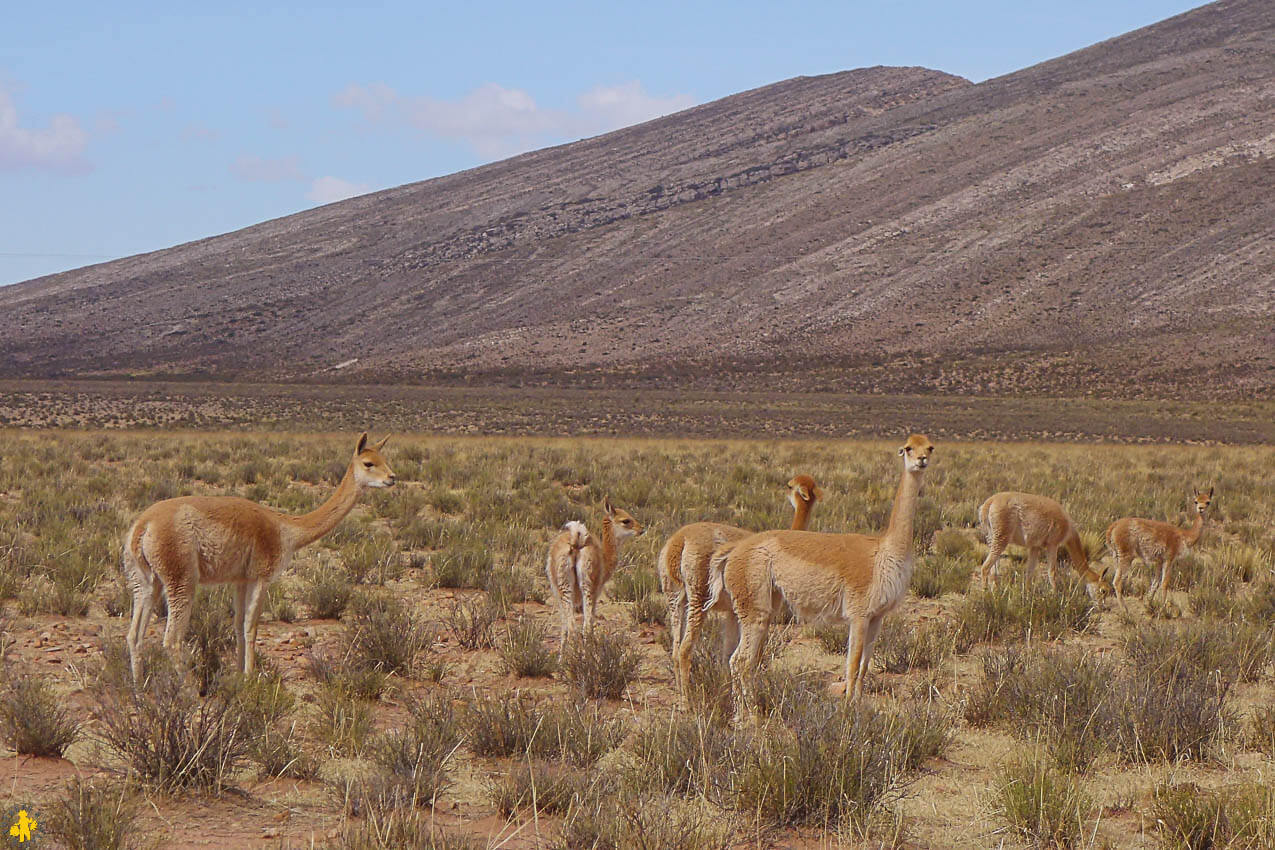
177, 544
1202, 501
916, 453
370, 467
625, 525
802, 489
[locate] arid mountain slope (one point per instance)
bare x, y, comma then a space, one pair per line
1100, 222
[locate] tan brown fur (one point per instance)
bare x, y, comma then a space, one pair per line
1042, 526
850, 577
1156, 543
177, 544
683, 568
580, 563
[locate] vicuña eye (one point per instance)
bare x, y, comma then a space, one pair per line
368, 464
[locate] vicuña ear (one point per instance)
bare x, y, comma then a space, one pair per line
606, 505
902, 450
362, 443
1210, 492
382, 443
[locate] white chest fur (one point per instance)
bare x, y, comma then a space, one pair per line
891, 577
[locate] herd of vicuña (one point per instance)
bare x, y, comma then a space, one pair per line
177, 544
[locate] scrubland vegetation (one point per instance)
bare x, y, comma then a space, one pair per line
411, 694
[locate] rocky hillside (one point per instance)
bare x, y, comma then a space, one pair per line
1097, 223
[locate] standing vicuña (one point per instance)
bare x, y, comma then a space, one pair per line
178, 544
849, 577
1155, 543
1041, 525
683, 567
579, 564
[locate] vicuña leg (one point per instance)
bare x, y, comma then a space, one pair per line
181, 600
995, 548
730, 634
252, 615
869, 641
1156, 576
856, 654
745, 660
239, 597
1051, 557
685, 650
677, 614
566, 612
1033, 557
1166, 568
145, 601
589, 596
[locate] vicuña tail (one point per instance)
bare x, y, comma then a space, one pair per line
717, 574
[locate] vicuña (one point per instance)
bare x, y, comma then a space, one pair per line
580, 564
1042, 526
1156, 543
849, 577
683, 568
178, 544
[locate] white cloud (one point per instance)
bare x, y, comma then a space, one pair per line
499, 121
612, 107
277, 119
328, 190
195, 131
258, 169
372, 100
57, 147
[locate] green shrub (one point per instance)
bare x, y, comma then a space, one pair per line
649, 610
344, 721
383, 634
33, 720
524, 650
169, 736
471, 622
514, 725
1191, 818
632, 584
326, 591
1016, 610
1045, 807
1059, 699
549, 787
599, 665
828, 763
901, 647
94, 816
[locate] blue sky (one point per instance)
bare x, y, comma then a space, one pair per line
128, 127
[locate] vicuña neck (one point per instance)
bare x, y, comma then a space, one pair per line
899, 531
310, 527
1192, 534
801, 518
610, 547
1079, 558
